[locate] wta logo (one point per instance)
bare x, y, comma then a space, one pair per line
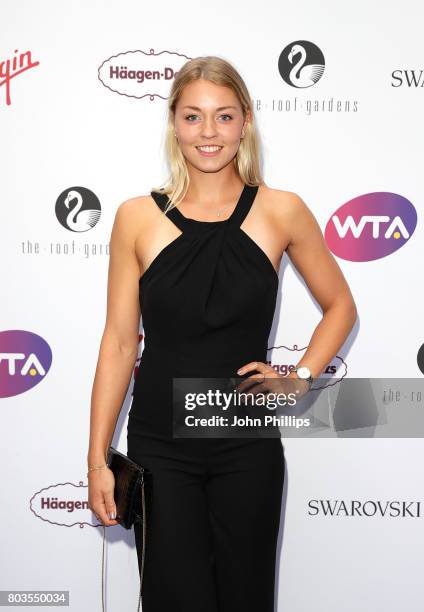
25, 359
371, 226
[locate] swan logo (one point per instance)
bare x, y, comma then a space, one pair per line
78, 209
11, 68
371, 226
301, 64
137, 74
25, 359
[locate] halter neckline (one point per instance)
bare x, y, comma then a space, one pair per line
244, 203
233, 214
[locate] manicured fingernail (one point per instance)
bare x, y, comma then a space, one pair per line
112, 515
240, 371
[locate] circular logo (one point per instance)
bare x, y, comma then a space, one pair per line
371, 226
78, 209
301, 64
420, 358
26, 359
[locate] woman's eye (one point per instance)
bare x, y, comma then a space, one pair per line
188, 117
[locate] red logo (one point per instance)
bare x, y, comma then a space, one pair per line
11, 68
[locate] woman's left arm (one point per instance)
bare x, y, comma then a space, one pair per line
309, 253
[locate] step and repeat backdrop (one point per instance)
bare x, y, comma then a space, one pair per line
338, 97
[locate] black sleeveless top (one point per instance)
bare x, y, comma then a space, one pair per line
207, 302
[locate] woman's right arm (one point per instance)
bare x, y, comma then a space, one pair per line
117, 354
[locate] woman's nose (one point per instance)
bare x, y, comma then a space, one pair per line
208, 127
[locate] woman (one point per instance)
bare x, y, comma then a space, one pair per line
205, 276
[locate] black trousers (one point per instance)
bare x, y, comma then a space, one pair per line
212, 523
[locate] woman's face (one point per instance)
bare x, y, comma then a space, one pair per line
208, 114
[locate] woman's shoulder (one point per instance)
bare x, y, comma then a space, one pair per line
137, 211
288, 213
141, 204
135, 217
281, 204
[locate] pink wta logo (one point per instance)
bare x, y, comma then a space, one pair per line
25, 359
371, 226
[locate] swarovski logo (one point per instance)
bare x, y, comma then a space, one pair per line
367, 508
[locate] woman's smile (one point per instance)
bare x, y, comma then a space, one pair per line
209, 150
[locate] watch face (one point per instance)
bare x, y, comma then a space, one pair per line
303, 372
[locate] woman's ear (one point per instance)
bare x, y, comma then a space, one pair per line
246, 122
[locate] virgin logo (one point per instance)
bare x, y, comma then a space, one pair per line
11, 68
371, 226
25, 359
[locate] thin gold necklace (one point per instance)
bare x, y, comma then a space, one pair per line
218, 212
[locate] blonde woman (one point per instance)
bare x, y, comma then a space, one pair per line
199, 260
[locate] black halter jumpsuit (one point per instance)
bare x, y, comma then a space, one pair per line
208, 301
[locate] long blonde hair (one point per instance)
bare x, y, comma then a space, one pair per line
247, 160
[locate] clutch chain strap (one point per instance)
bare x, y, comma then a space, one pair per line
143, 507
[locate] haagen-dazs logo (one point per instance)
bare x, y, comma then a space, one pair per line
371, 226
138, 74
78, 209
301, 64
284, 359
25, 359
63, 504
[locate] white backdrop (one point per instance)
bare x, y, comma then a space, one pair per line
62, 128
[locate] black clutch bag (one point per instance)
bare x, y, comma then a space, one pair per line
130, 501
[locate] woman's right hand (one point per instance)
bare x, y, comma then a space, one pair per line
101, 486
